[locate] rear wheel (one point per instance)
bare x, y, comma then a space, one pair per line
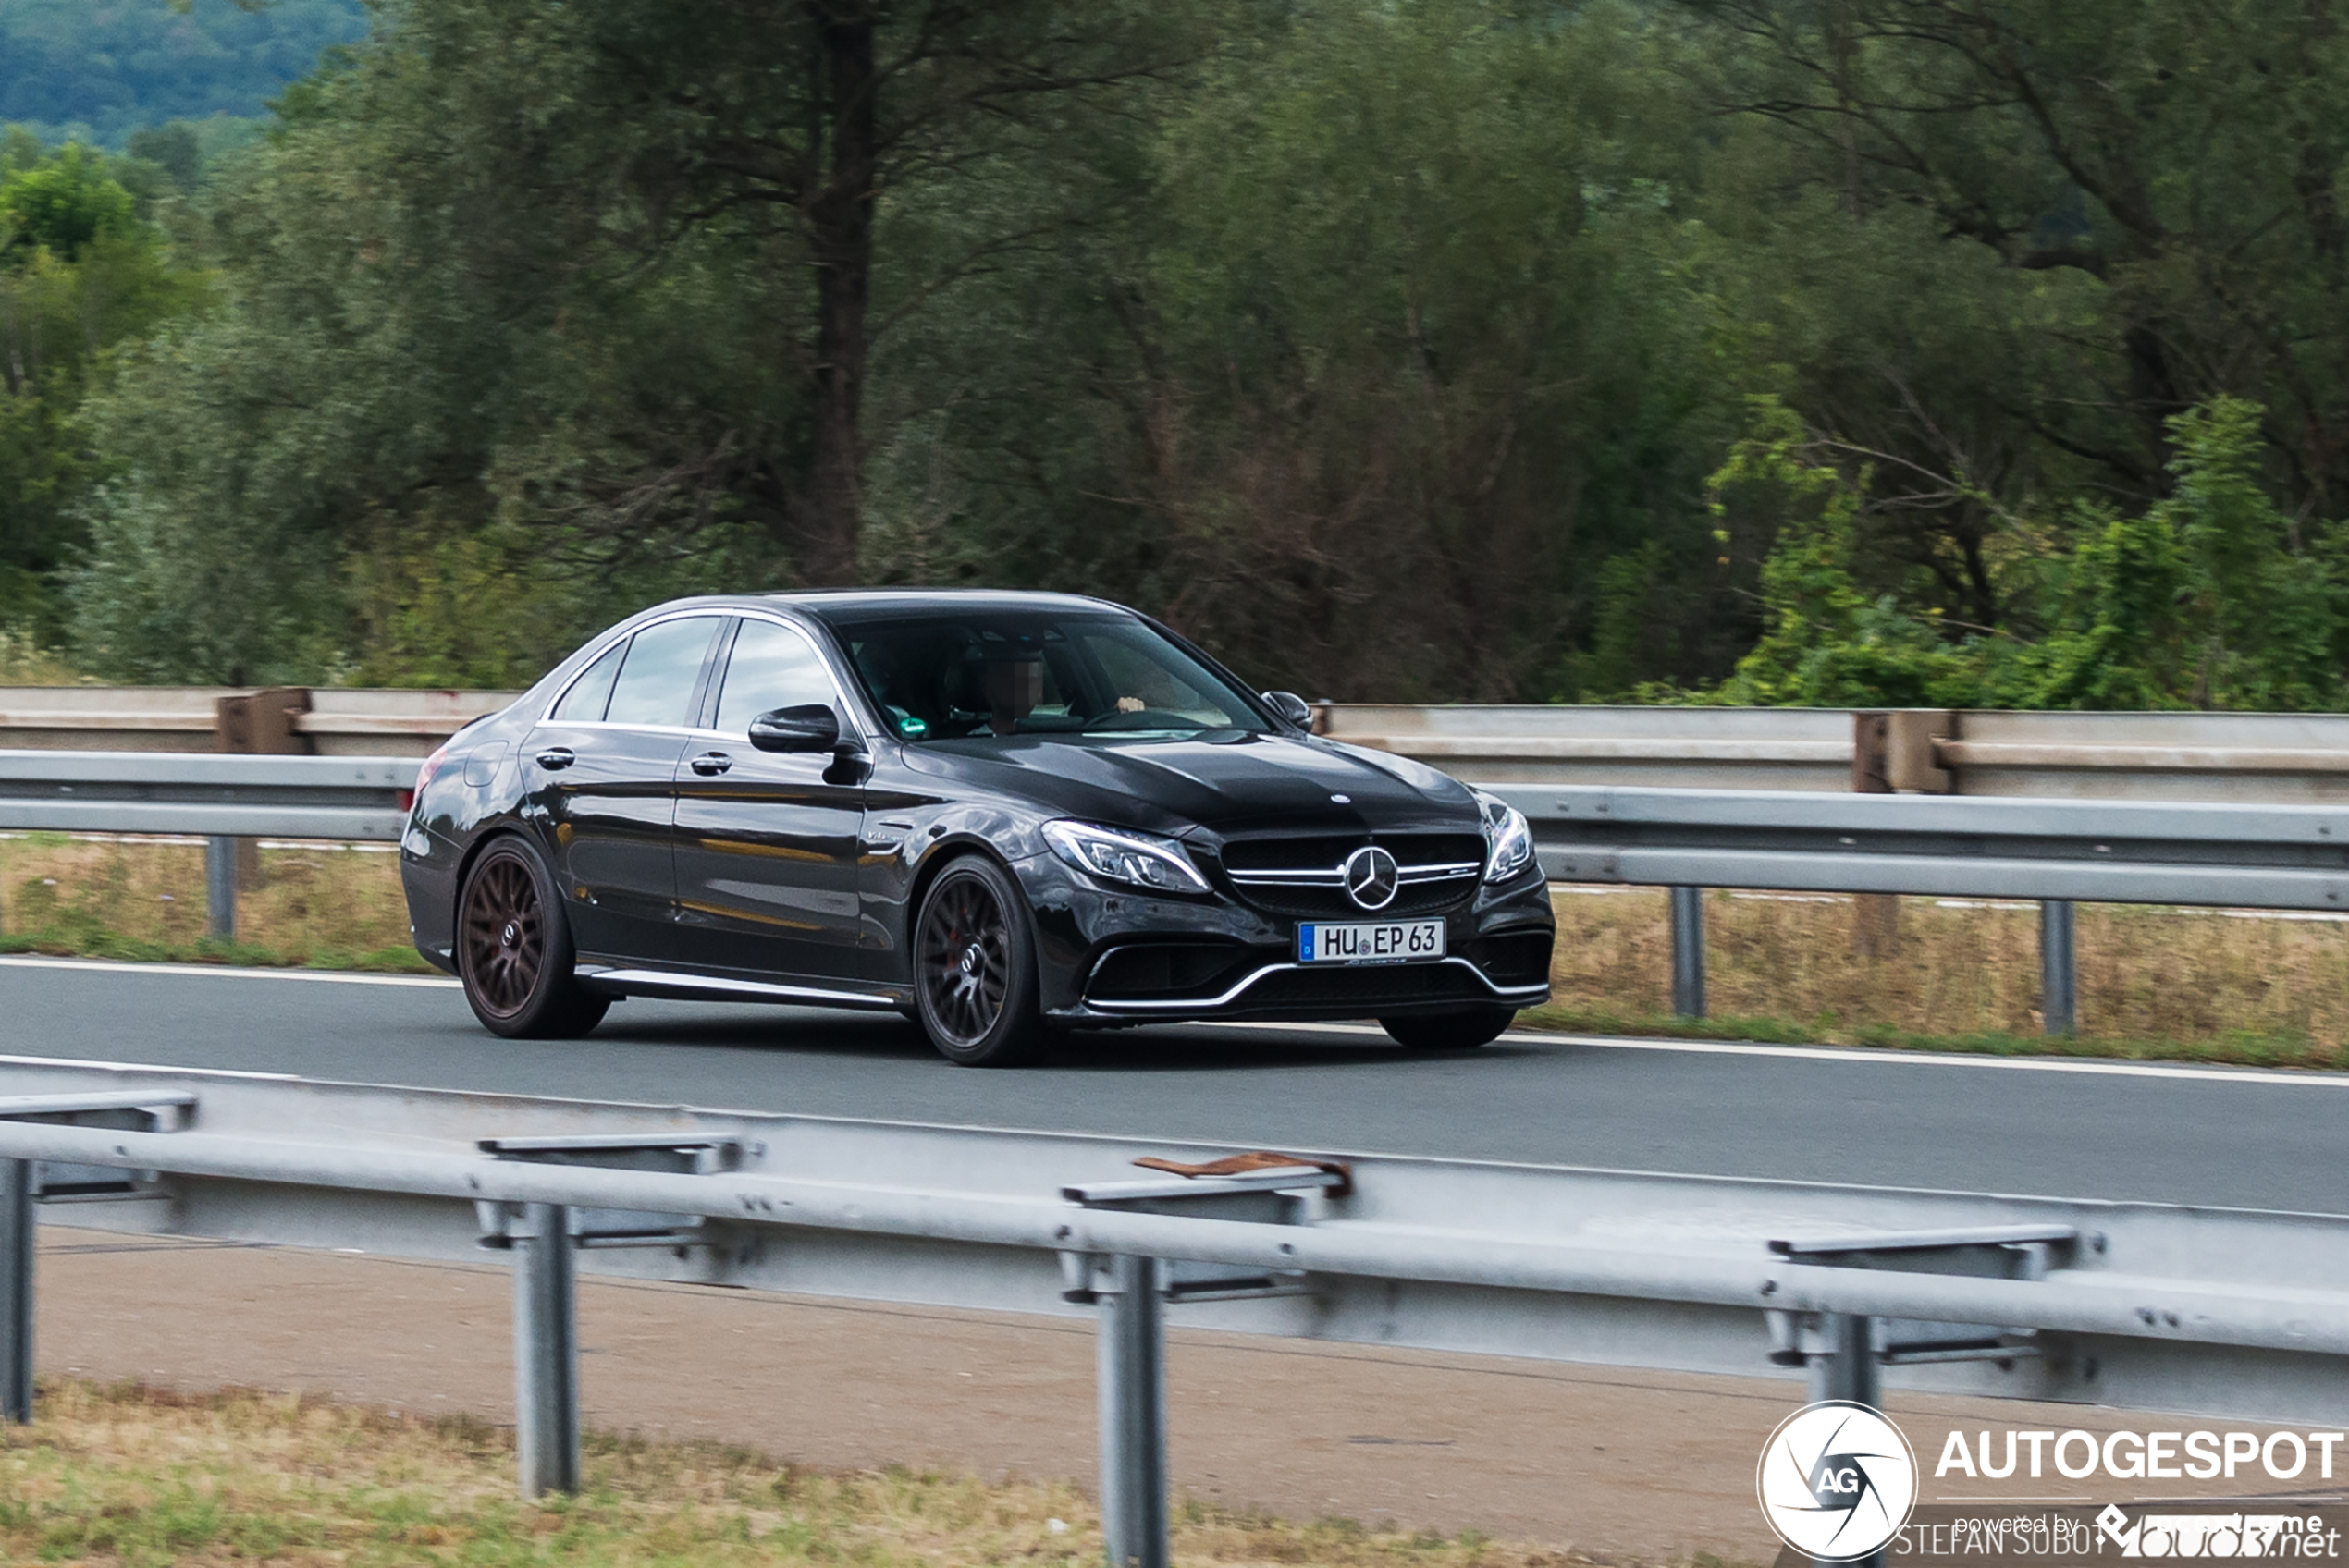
975, 968
1461, 1031
514, 951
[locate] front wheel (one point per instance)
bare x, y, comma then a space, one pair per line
975, 968
514, 951
1461, 1031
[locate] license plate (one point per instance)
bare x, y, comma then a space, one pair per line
1371, 941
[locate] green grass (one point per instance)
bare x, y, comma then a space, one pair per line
78, 940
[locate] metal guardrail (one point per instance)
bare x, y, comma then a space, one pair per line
2057, 851
335, 722
222, 797
2149, 1306
2277, 758
355, 799
2106, 851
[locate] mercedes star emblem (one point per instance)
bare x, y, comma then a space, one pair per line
1370, 878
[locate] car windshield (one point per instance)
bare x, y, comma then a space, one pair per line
946, 676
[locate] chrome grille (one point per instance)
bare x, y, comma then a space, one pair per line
1305, 877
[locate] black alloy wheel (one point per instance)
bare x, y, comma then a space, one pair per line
514, 951
1461, 1031
975, 968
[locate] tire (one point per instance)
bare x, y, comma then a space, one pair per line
514, 951
975, 968
1461, 1031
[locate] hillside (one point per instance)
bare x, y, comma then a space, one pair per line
105, 67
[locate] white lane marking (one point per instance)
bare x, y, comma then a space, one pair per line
2271, 1077
215, 971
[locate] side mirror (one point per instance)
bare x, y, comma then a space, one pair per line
1291, 706
810, 727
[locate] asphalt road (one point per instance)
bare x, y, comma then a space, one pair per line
2074, 1129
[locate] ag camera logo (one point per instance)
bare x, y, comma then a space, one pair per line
1837, 1480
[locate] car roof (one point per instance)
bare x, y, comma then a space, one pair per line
855, 605
859, 601
905, 599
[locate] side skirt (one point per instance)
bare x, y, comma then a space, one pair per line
622, 982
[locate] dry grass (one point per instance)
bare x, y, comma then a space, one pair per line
2149, 978
24, 662
129, 1476
319, 904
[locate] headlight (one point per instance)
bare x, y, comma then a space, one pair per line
1509, 838
1141, 859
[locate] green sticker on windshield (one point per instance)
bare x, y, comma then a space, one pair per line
912, 727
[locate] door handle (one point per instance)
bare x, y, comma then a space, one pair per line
710, 765
555, 758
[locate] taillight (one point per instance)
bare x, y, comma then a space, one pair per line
408, 798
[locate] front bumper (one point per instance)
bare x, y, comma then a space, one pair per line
1107, 958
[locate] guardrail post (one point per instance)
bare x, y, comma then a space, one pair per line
1846, 1368
220, 888
16, 1289
1876, 917
2058, 975
256, 724
1688, 952
1132, 1397
546, 1352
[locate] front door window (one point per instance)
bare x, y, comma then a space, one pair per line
772, 666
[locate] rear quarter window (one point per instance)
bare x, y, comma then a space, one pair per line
584, 702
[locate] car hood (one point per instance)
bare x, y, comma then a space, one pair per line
1232, 785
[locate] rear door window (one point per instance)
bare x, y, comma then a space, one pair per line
657, 677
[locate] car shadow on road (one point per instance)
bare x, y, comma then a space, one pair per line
1174, 1048
1166, 1048
800, 1030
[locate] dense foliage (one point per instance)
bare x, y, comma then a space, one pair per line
82, 269
1944, 351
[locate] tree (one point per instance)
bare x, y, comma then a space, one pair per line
2146, 193
1386, 350
1371, 352
588, 288
79, 272
809, 119
63, 205
2207, 599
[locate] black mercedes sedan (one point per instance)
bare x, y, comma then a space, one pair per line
1002, 815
